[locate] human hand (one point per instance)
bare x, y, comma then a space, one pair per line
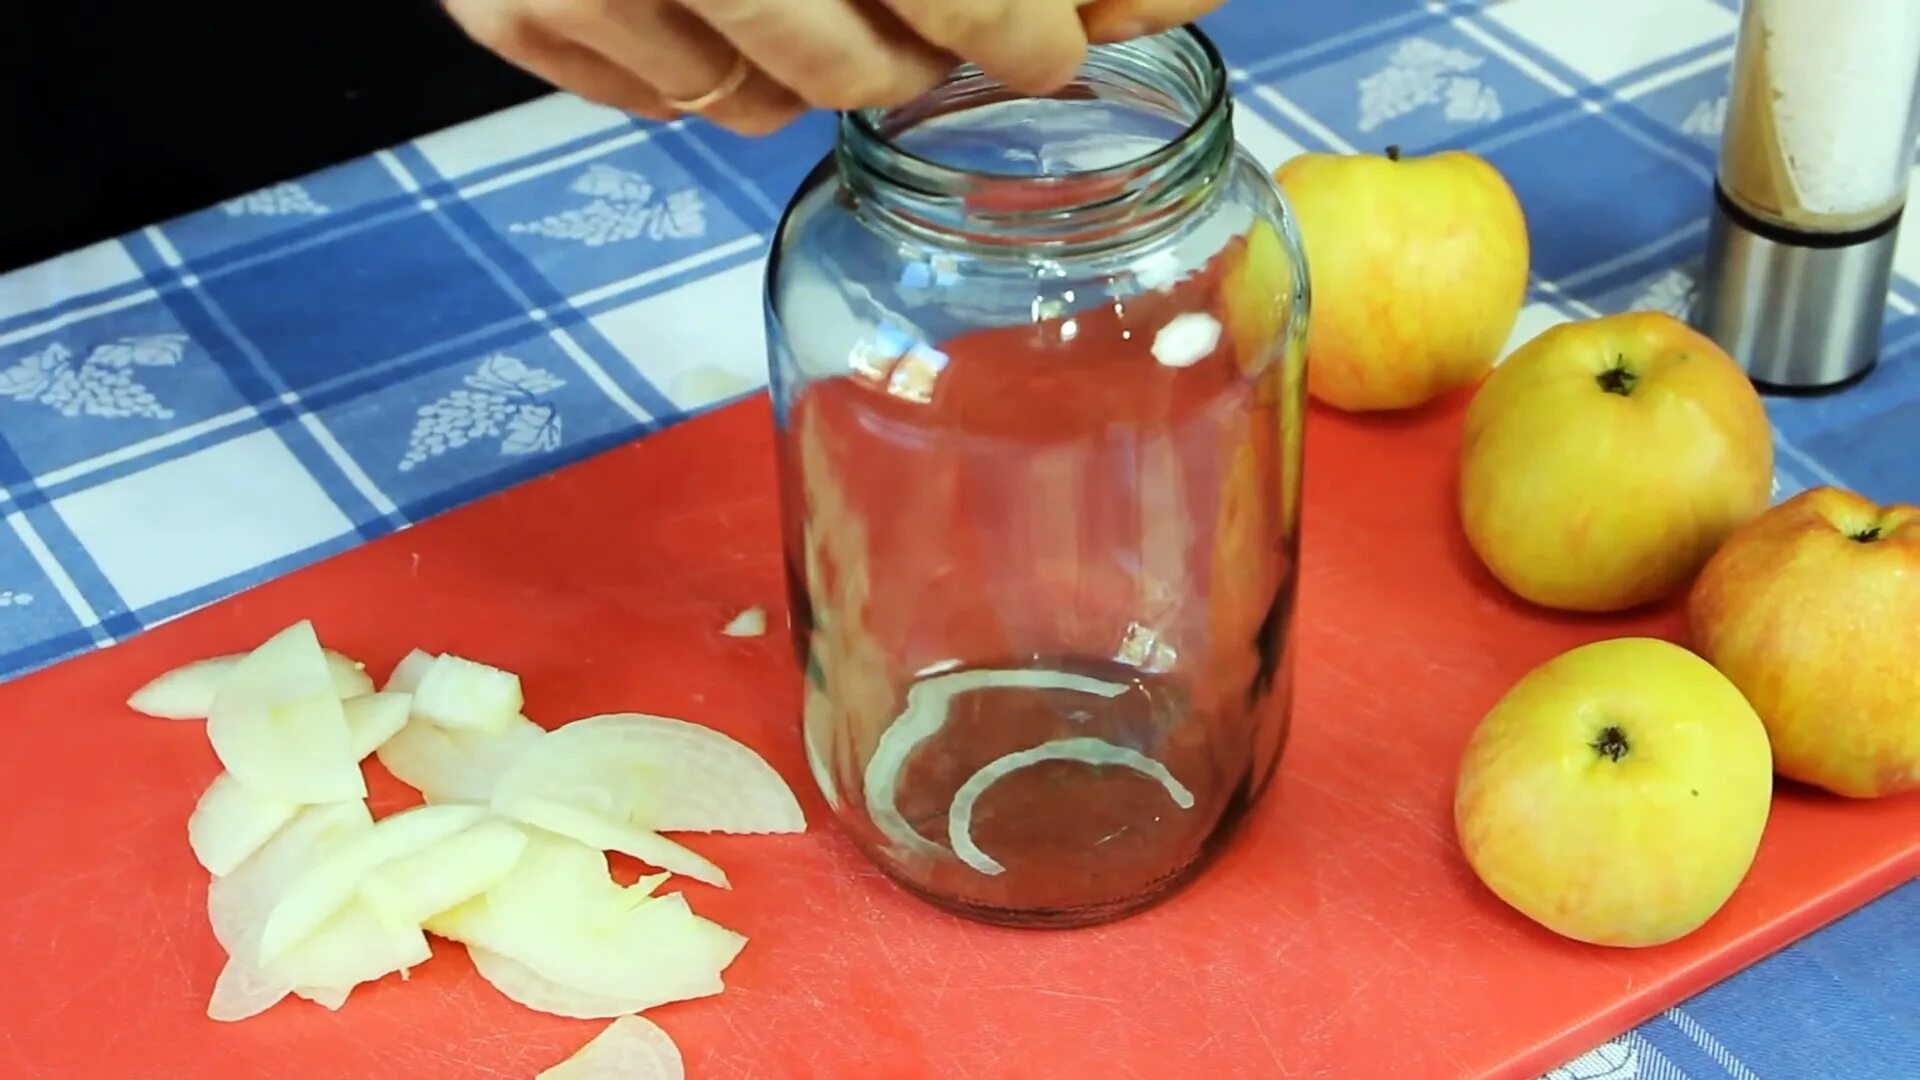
753, 65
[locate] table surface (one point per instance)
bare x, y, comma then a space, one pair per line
222, 398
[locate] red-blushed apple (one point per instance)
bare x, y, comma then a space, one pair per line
1616, 794
1813, 610
1602, 463
1418, 267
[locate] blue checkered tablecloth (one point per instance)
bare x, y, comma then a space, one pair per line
222, 398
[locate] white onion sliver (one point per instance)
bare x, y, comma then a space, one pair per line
330, 998
407, 674
817, 730
1086, 750
243, 991
237, 905
522, 984
412, 889
597, 832
456, 766
631, 1048
187, 692
327, 884
749, 623
278, 726
372, 719
352, 947
231, 821
928, 702
657, 773
461, 694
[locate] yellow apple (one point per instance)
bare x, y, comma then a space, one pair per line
1617, 793
1417, 266
1813, 610
1602, 463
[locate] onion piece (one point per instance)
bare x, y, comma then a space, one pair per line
238, 904
328, 884
372, 719
928, 703
456, 766
232, 821
460, 694
597, 832
353, 946
407, 674
278, 726
187, 692
655, 772
1087, 750
749, 623
412, 889
631, 1048
525, 986
330, 998
559, 913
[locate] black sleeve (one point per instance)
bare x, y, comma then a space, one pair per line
118, 113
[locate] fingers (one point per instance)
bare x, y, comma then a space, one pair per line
829, 52
1035, 46
683, 58
564, 63
1122, 20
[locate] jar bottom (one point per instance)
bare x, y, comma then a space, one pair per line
1063, 918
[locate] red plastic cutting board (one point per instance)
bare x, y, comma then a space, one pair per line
1340, 936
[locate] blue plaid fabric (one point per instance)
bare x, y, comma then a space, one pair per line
222, 398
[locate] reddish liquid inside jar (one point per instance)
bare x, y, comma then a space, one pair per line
1065, 547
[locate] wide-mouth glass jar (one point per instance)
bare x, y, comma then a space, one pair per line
1038, 373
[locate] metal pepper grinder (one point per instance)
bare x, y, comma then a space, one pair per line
1819, 140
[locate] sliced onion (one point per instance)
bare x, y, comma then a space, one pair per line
657, 773
817, 730
597, 832
328, 884
352, 947
460, 695
559, 913
330, 998
187, 692
407, 674
278, 726
631, 1048
372, 719
412, 889
232, 821
528, 987
1087, 750
928, 703
456, 766
237, 905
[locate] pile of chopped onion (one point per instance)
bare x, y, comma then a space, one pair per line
312, 897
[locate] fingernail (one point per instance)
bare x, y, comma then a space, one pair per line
1113, 30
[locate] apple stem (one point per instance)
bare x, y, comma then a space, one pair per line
1865, 536
1612, 743
1393, 152
1618, 380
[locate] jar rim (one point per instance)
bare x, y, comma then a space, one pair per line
867, 123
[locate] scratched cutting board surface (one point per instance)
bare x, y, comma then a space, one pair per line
1340, 935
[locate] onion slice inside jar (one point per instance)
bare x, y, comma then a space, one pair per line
1087, 751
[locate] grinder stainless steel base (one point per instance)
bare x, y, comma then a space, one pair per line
1799, 311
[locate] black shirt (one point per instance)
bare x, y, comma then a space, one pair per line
118, 113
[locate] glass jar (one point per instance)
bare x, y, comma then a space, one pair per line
1038, 373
